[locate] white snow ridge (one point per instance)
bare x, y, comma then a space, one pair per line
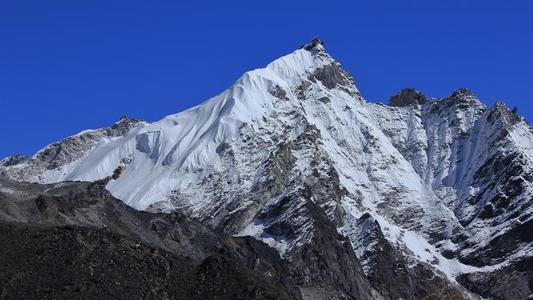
447, 180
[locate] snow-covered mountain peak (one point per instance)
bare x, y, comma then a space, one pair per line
459, 100
191, 141
316, 44
465, 96
507, 116
294, 144
309, 63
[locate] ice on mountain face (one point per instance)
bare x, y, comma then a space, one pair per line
440, 177
257, 230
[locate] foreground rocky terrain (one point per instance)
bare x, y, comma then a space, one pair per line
74, 240
419, 198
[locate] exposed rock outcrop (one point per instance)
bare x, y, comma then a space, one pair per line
406, 97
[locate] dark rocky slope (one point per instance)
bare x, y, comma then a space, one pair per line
510, 282
73, 262
73, 240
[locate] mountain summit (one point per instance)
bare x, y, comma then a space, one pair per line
421, 198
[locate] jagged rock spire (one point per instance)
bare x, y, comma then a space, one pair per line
406, 97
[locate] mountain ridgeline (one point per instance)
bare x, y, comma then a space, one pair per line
287, 185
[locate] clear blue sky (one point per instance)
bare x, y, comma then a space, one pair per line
70, 65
